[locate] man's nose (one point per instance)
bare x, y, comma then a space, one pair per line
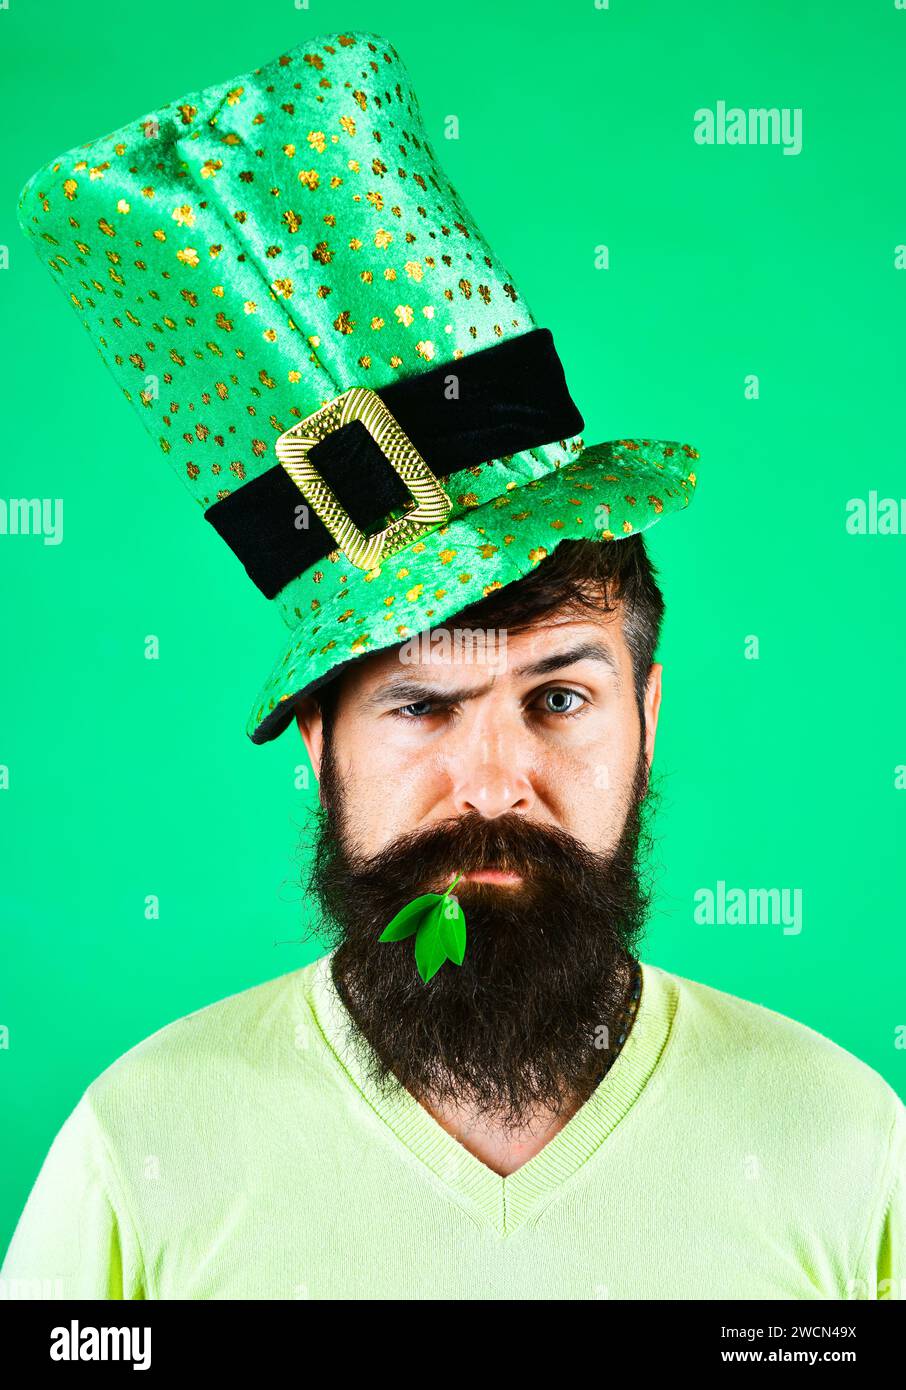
491, 777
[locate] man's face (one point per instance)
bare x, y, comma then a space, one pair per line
523, 769
547, 729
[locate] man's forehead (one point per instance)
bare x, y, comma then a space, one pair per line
452, 651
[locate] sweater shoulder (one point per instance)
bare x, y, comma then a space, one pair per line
777, 1058
217, 1045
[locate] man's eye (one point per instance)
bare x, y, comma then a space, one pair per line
557, 701
417, 710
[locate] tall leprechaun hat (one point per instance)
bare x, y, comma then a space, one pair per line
321, 341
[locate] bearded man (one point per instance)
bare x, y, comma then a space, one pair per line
481, 1090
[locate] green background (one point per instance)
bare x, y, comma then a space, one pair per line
575, 130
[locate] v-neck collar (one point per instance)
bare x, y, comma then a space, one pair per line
504, 1203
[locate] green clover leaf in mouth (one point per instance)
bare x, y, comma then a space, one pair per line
438, 924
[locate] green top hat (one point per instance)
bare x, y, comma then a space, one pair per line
329, 353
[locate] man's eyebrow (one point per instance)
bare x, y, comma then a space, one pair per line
585, 651
403, 692
412, 692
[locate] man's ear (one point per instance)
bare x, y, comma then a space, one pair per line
311, 727
652, 708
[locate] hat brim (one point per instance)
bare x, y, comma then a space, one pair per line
608, 492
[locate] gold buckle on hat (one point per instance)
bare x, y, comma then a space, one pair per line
433, 506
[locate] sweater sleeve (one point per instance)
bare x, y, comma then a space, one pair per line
891, 1256
75, 1238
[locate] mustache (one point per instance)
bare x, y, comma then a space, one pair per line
540, 854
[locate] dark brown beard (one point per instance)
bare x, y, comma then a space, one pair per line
528, 1022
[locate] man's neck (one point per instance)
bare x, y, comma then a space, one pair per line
502, 1149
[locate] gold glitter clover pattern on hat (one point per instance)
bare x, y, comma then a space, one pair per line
312, 327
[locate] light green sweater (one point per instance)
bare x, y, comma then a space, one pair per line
240, 1153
